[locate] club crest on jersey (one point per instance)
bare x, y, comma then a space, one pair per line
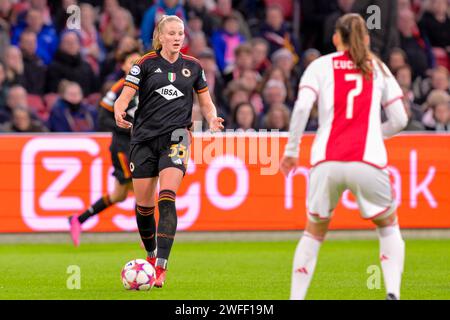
135, 70
186, 72
169, 92
171, 76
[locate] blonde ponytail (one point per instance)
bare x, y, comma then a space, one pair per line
156, 43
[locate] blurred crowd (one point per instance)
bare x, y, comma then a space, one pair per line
54, 68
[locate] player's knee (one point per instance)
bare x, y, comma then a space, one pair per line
317, 228
385, 220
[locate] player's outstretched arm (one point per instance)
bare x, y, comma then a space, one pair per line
397, 119
121, 105
300, 116
209, 112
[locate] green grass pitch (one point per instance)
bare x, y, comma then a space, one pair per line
231, 270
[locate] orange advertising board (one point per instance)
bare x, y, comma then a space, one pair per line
232, 183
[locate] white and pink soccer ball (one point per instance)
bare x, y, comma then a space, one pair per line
138, 274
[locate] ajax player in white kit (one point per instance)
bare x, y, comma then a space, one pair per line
350, 86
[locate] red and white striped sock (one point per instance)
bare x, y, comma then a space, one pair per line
304, 264
392, 256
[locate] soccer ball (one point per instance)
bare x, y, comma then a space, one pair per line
138, 275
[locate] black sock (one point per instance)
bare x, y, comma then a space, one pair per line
167, 226
96, 208
145, 218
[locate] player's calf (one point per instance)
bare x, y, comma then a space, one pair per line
392, 254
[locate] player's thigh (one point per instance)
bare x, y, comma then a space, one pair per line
373, 190
173, 159
326, 185
170, 179
144, 191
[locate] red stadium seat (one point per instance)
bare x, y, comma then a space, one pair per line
50, 99
442, 58
37, 105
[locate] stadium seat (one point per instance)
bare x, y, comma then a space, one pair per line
37, 105
442, 58
50, 100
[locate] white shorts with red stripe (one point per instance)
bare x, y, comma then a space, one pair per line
371, 187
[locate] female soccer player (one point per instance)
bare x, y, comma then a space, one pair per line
120, 145
348, 151
160, 141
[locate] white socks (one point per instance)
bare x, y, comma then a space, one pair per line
392, 256
304, 264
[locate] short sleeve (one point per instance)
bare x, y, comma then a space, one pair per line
200, 84
391, 90
310, 79
134, 77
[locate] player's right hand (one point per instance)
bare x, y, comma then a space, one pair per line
120, 119
288, 164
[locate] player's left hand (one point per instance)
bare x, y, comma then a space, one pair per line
288, 164
216, 124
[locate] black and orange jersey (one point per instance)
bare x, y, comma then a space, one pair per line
107, 120
165, 93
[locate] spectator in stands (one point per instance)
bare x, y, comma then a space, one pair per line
16, 97
276, 33
244, 117
112, 66
22, 121
14, 66
397, 59
225, 41
154, 13
197, 43
223, 10
215, 82
414, 44
435, 23
47, 38
437, 116
108, 7
243, 61
92, 50
414, 110
249, 80
414, 117
284, 60
439, 80
196, 9
194, 25
5, 25
329, 25
70, 114
276, 73
121, 25
277, 118
260, 55
34, 67
309, 56
274, 93
236, 94
3, 86
68, 64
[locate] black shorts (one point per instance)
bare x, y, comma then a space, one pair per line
119, 148
149, 158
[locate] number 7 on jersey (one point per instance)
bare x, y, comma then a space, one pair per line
353, 93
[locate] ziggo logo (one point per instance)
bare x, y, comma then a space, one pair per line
51, 199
